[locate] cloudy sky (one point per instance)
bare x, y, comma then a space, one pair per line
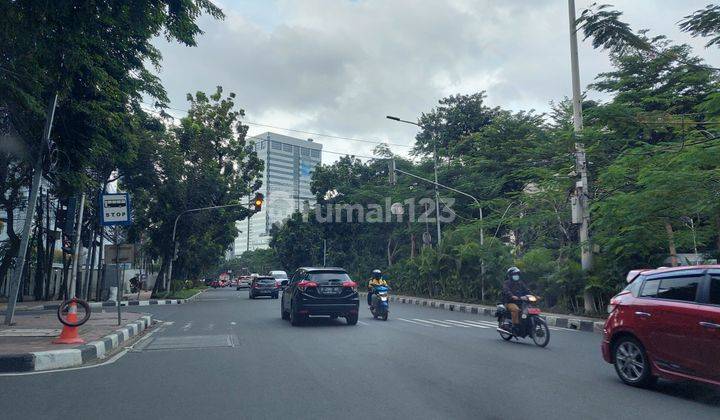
337, 67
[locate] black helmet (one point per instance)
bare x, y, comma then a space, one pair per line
376, 273
511, 271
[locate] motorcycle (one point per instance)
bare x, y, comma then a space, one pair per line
380, 303
531, 324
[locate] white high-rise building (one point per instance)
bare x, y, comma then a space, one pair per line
289, 163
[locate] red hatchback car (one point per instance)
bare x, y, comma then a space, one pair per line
666, 323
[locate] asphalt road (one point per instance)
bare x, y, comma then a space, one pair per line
225, 356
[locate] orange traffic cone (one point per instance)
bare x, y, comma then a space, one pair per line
69, 335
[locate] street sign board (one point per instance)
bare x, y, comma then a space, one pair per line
115, 209
126, 253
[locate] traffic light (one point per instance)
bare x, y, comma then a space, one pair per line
258, 201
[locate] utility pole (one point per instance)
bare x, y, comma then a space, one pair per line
437, 195
30, 213
581, 199
324, 251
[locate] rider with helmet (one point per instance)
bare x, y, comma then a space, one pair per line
375, 280
513, 289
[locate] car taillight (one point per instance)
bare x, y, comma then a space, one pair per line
304, 285
350, 284
257, 286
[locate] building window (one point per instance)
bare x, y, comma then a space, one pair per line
297, 150
315, 153
276, 145
287, 147
305, 151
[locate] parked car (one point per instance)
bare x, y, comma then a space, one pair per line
279, 276
264, 286
666, 323
243, 283
320, 291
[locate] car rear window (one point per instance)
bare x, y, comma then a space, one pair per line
326, 276
266, 281
715, 290
672, 288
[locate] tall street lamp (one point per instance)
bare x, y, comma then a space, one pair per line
437, 196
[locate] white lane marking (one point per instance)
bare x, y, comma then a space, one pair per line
233, 323
187, 326
494, 325
363, 323
432, 323
412, 322
486, 323
452, 324
467, 324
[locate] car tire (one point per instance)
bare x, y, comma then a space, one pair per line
283, 314
352, 319
251, 296
295, 318
631, 363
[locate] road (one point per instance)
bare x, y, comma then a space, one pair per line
225, 356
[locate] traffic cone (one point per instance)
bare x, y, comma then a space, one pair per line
69, 335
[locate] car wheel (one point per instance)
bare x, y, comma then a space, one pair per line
251, 296
284, 315
295, 318
631, 363
352, 319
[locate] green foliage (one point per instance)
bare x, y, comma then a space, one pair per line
260, 261
654, 168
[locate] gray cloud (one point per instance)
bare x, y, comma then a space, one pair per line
339, 67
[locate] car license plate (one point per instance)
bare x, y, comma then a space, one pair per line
330, 290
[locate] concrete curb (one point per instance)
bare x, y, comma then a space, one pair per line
112, 304
553, 320
78, 356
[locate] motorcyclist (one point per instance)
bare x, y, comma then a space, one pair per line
375, 280
513, 289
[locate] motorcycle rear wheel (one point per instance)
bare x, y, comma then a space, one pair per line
384, 317
540, 332
504, 336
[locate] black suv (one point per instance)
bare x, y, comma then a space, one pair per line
320, 291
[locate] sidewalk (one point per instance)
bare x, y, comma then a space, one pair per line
554, 320
28, 346
130, 299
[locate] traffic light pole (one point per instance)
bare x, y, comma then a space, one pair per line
175, 245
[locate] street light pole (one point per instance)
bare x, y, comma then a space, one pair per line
170, 267
30, 213
435, 161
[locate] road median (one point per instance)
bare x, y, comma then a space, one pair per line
554, 320
46, 357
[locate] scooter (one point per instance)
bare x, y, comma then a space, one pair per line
531, 324
380, 303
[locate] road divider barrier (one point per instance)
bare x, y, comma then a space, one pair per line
74, 357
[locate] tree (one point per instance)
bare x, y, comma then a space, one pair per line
204, 161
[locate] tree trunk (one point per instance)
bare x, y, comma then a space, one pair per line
160, 279
671, 244
92, 268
